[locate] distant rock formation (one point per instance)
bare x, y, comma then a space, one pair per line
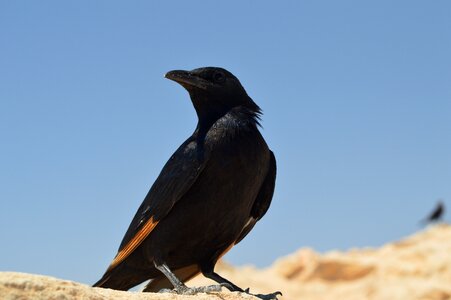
418, 267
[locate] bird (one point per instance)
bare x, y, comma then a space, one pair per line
436, 215
209, 195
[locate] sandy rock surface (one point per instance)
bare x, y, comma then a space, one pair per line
21, 286
415, 268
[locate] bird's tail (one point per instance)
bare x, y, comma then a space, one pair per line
122, 279
103, 282
122, 283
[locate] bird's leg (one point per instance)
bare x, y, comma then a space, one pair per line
232, 287
181, 288
216, 277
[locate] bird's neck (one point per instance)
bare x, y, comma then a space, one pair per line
239, 116
206, 120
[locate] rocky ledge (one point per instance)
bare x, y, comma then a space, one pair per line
22, 286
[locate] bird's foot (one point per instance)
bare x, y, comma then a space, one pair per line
184, 290
272, 296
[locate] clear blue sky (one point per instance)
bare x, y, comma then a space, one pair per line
357, 108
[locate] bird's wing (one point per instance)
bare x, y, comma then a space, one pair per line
176, 178
263, 200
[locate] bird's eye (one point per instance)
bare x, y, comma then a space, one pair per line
218, 77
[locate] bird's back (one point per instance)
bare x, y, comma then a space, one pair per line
212, 213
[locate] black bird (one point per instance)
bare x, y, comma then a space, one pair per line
436, 215
208, 196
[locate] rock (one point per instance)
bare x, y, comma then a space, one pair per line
21, 286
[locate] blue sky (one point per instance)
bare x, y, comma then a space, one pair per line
356, 98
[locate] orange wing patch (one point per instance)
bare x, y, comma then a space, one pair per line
133, 243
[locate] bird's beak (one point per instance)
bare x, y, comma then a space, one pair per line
187, 79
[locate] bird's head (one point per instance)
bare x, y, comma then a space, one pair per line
213, 91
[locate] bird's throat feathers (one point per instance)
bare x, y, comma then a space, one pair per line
209, 110
238, 116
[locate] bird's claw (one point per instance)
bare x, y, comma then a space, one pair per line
272, 296
207, 288
184, 290
226, 285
